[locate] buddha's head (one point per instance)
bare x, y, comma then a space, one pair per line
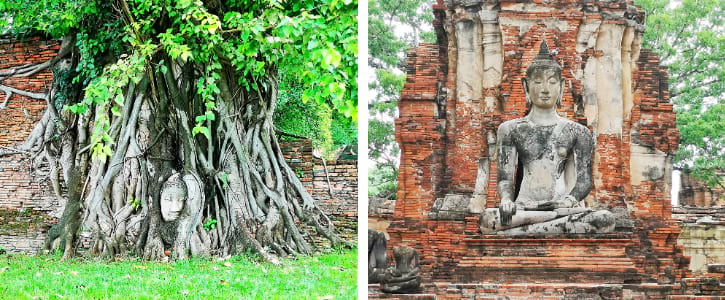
543, 84
173, 197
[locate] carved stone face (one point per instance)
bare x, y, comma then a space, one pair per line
172, 202
544, 88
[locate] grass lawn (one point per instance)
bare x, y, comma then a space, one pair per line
328, 276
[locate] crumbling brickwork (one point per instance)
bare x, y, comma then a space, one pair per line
703, 236
459, 91
689, 289
333, 184
18, 115
694, 192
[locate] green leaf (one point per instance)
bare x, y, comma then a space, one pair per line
201, 129
119, 99
186, 55
223, 177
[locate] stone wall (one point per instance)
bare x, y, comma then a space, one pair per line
458, 91
694, 192
703, 236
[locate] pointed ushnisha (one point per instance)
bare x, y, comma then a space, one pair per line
543, 60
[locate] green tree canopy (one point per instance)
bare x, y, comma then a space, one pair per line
394, 26
689, 36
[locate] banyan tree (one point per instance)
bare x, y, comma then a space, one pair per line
159, 126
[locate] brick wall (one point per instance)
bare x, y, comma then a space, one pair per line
458, 91
19, 190
338, 196
693, 289
694, 192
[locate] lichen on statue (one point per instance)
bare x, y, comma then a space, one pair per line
548, 146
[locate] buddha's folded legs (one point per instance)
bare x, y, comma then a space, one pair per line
527, 222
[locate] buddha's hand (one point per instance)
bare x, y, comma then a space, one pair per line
507, 210
564, 202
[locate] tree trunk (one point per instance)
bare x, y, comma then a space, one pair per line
236, 191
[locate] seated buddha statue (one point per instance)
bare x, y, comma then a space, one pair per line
404, 277
545, 144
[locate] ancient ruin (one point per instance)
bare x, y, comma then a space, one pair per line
549, 148
458, 93
404, 277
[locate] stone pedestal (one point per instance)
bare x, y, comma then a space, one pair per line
557, 259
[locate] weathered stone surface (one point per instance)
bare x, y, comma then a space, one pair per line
377, 256
547, 148
703, 236
404, 277
612, 86
450, 207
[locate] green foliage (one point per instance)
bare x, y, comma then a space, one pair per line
689, 36
328, 276
54, 17
387, 58
311, 42
134, 202
344, 131
328, 129
385, 16
383, 181
64, 87
210, 224
223, 177
299, 173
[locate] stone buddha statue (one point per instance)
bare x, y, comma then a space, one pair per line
173, 197
548, 147
404, 277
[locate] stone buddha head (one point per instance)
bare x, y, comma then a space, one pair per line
173, 198
543, 84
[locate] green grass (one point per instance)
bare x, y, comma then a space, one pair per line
328, 276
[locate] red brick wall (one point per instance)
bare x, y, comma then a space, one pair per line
341, 205
695, 192
693, 289
439, 151
19, 190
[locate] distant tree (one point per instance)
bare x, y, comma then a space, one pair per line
689, 36
412, 21
328, 129
159, 130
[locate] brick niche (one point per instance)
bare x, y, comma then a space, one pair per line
460, 89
